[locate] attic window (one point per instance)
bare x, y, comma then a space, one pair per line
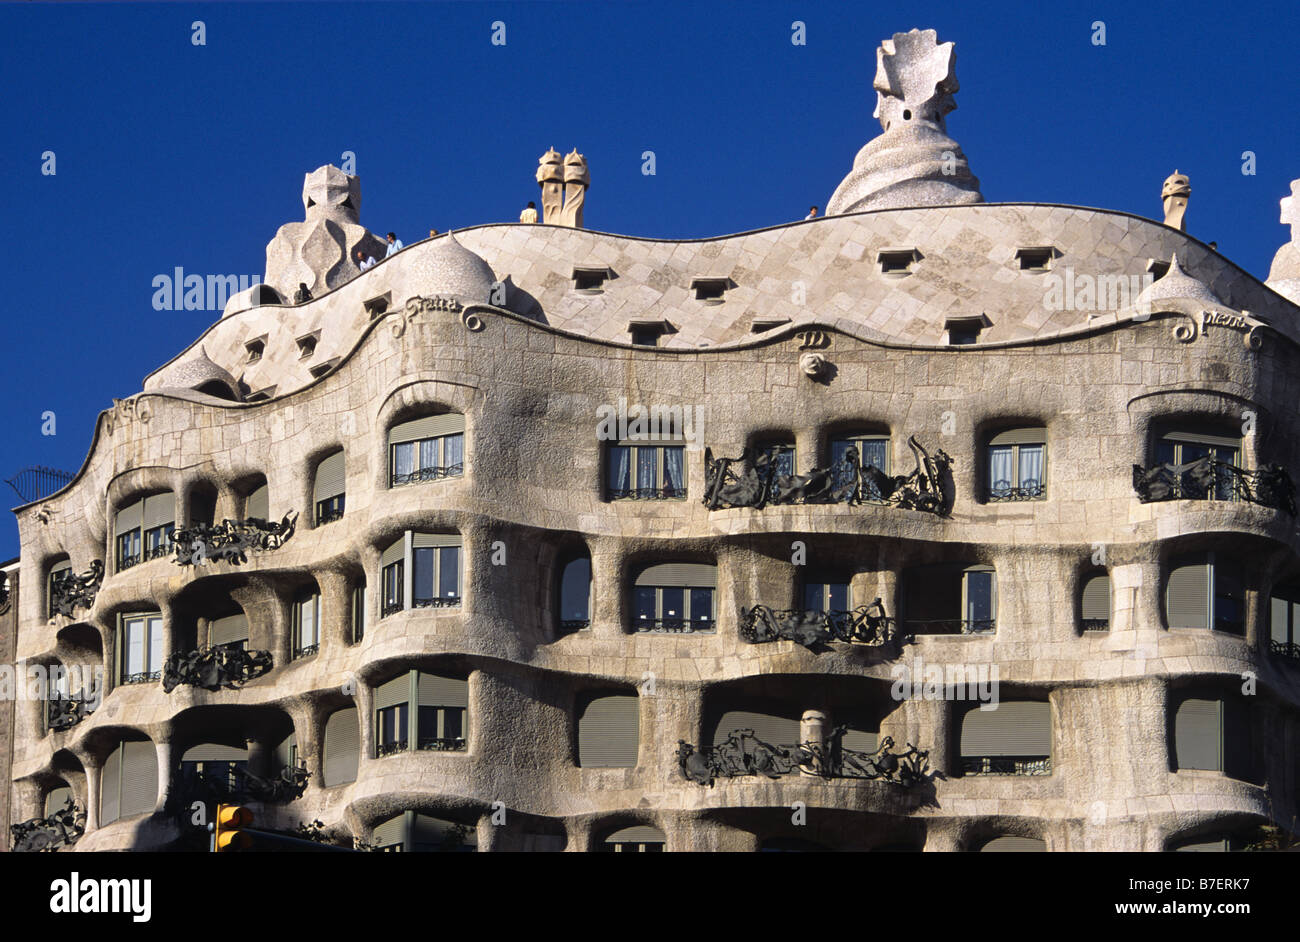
711, 290
378, 305
307, 344
318, 371
762, 325
1036, 257
962, 331
591, 280
261, 395
647, 333
255, 349
897, 261
1157, 268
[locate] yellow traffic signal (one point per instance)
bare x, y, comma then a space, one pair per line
229, 837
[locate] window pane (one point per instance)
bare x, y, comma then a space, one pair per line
422, 575
393, 585
449, 572
839, 448
307, 633
647, 470
814, 597
643, 604
428, 453
1166, 453
620, 470
1000, 461
783, 460
1277, 618
1031, 468
674, 471
875, 452
403, 459
839, 596
453, 726
674, 605
702, 606
155, 644
979, 598
453, 451
575, 590
392, 725
135, 646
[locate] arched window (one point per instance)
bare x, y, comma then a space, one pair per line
128, 783
609, 731
1206, 590
411, 832
872, 449
639, 839
1010, 843
575, 594
328, 489
342, 753
1094, 603
1199, 460
1213, 732
1013, 738
143, 529
426, 449
1017, 465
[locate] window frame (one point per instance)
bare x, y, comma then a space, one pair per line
570, 625
856, 439
1178, 438
1210, 560
636, 490
1016, 440
298, 649
401, 574
147, 620
409, 710
419, 473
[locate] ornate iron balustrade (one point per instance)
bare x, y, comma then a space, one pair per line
1095, 624
65, 713
239, 784
752, 480
385, 749
1027, 490
667, 492
231, 540
427, 474
141, 677
910, 628
306, 650
743, 753
1207, 478
69, 591
158, 552
329, 516
574, 624
676, 626
449, 602
126, 562
1006, 765
866, 624
1285, 649
37, 483
222, 665
61, 828
442, 744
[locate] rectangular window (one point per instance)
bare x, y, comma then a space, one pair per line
391, 729
158, 541
673, 608
306, 626
393, 576
329, 510
827, 597
428, 459
782, 457
435, 577
141, 655
646, 472
1017, 465
979, 600
128, 549
441, 728
1205, 480
358, 613
872, 450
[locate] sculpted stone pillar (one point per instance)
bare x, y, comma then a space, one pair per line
576, 181
550, 174
1174, 195
1284, 275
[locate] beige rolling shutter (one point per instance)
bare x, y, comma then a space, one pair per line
342, 747
1020, 436
215, 752
59, 567
227, 630
862, 735
426, 540
259, 503
1014, 728
330, 478
1197, 734
1014, 844
435, 690
1188, 595
1096, 598
397, 690
609, 732
638, 834
771, 727
129, 517
392, 831
139, 777
1279, 608
431, 426
694, 575
428, 830
159, 509
110, 788
1221, 441
1219, 846
393, 554
57, 800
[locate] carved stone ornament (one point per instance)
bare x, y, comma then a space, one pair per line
418, 308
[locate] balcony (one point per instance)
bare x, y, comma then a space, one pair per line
1207, 478
1027, 490
1006, 765
753, 480
745, 754
66, 712
221, 666
427, 474
237, 784
231, 540
60, 829
867, 624
307, 650
69, 591
1285, 649
328, 516
442, 744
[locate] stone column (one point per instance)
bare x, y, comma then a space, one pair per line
814, 726
609, 614
163, 749
335, 608
94, 771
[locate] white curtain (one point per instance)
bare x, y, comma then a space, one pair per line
674, 462
403, 459
619, 468
1000, 467
1031, 466
453, 451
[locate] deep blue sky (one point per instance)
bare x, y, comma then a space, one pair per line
170, 154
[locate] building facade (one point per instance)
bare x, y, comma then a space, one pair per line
537, 538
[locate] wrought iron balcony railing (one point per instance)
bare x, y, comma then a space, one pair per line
1285, 649
1095, 624
574, 624
391, 608
743, 753
947, 626
866, 624
307, 650
1026, 490
60, 828
675, 625
754, 480
1006, 765
126, 562
1207, 478
452, 601
231, 540
667, 492
222, 665
237, 783
442, 744
385, 749
69, 591
158, 552
427, 474
65, 713
328, 516
141, 677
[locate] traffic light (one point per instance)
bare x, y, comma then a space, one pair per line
229, 836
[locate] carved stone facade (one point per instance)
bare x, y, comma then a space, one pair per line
919, 371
